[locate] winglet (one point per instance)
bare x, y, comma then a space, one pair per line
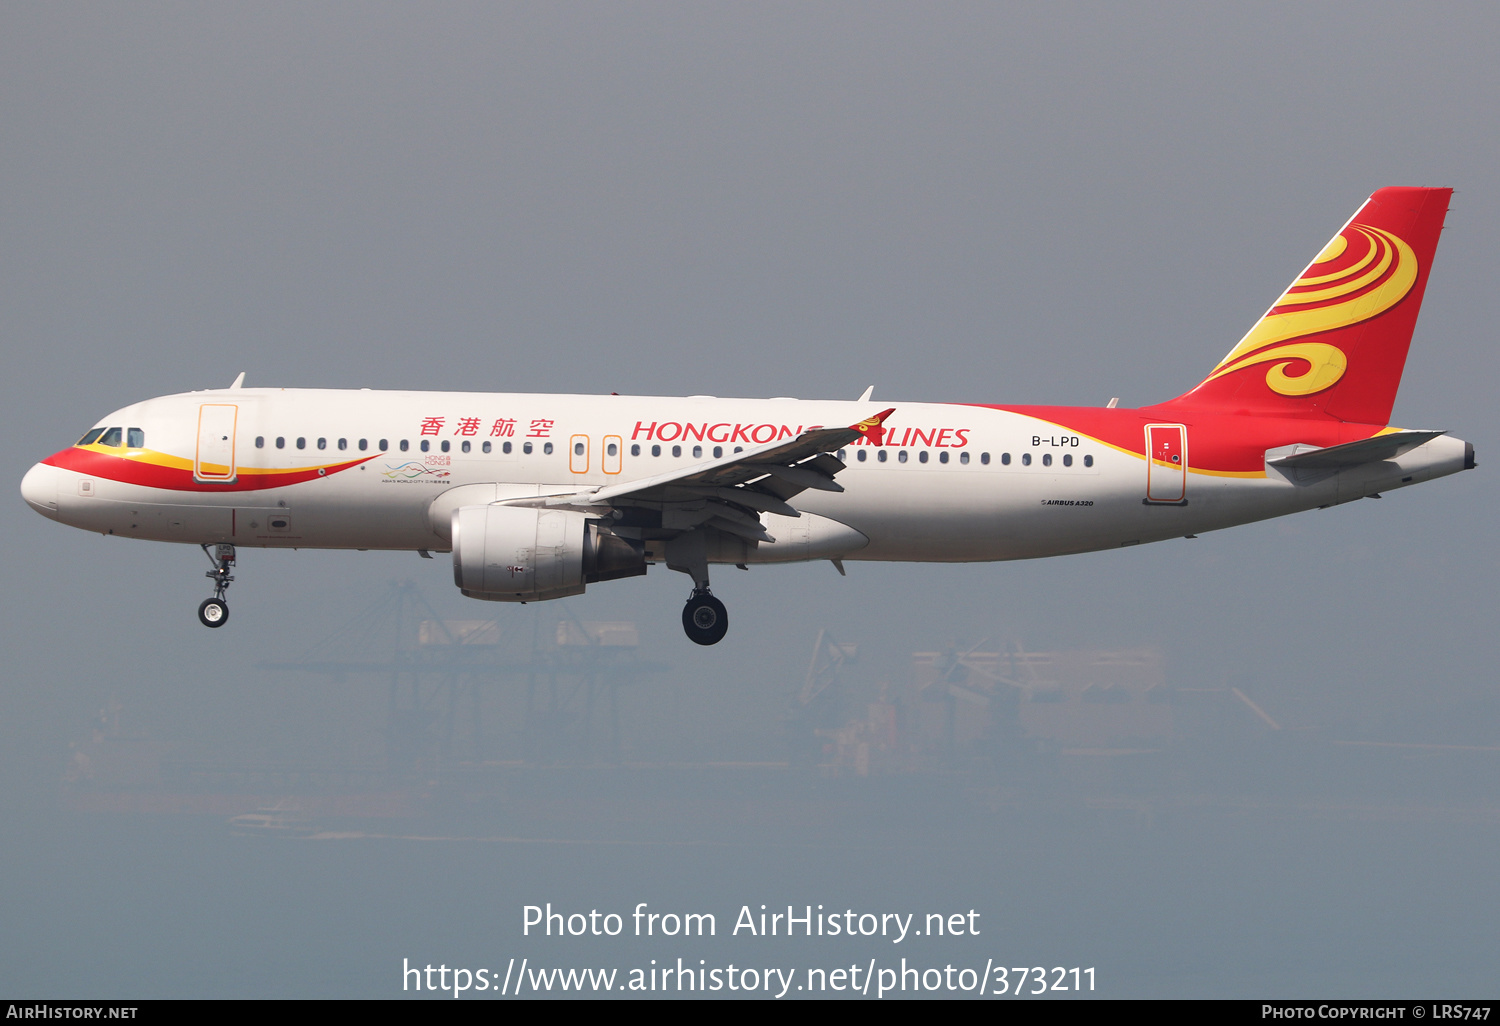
873, 427
865, 395
239, 381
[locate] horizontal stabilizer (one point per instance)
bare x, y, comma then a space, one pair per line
1368, 450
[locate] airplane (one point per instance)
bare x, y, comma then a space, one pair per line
538, 496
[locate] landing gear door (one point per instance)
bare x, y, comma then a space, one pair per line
1166, 463
214, 458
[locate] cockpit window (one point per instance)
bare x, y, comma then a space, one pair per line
135, 438
111, 437
91, 437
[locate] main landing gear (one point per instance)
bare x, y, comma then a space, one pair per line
704, 618
214, 612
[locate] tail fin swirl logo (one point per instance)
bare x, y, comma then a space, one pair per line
1361, 274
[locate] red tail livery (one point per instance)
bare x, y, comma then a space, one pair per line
1335, 343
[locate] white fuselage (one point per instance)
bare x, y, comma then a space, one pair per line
950, 482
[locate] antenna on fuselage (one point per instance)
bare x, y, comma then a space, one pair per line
239, 380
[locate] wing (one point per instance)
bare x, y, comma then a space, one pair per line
728, 493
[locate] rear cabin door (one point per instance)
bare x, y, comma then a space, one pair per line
1166, 463
214, 458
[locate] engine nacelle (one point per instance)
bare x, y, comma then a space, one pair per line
521, 554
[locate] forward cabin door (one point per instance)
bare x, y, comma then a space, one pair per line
214, 458
1166, 463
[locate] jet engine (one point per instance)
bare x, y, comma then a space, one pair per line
520, 554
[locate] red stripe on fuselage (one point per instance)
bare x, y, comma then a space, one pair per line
151, 475
1231, 443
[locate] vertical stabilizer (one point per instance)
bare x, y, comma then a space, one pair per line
1335, 343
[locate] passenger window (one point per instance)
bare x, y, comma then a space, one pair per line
1025, 459
984, 458
91, 437
635, 449
943, 456
260, 441
384, 444
842, 453
922, 456
343, 444
526, 448
111, 437
364, 443
677, 450
446, 446
963, 458
901, 456
281, 441
322, 443
135, 438
464, 446
485, 447
697, 452
1088, 461
718, 451
882, 455
546, 448
405, 445
861, 455
505, 448
1046, 459
1067, 459
611, 449
426, 445
302, 443
1005, 459
577, 448
656, 450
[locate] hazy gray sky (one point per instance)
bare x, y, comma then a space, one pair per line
969, 202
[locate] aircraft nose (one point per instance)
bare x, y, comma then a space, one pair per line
39, 489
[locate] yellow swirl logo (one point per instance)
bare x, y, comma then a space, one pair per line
1361, 274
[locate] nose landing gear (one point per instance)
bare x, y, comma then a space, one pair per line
704, 618
214, 612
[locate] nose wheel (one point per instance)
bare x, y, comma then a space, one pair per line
704, 618
214, 612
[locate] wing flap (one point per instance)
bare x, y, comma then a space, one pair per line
804, 476
750, 498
